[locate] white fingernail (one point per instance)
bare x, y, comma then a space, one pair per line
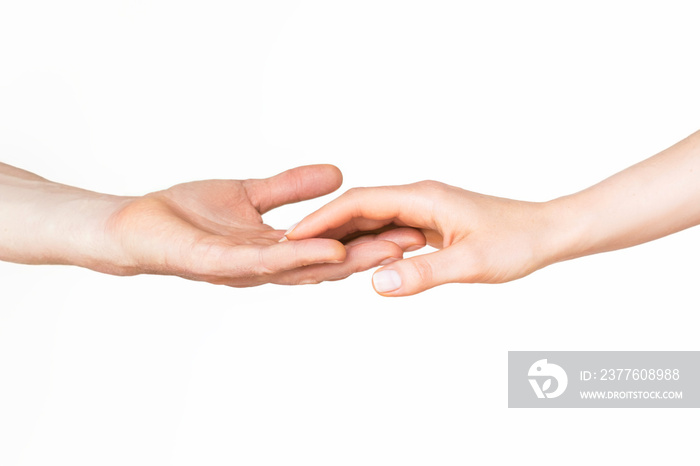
386, 280
289, 230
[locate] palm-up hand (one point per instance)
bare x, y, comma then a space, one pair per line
213, 231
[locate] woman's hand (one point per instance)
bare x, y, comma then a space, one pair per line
481, 238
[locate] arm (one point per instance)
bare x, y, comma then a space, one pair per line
206, 230
49, 223
492, 240
649, 200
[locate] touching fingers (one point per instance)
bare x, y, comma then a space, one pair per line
359, 257
408, 239
412, 205
363, 253
358, 227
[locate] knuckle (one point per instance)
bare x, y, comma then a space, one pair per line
475, 269
423, 270
431, 189
353, 192
263, 266
431, 185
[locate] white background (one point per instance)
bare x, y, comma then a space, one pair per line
530, 100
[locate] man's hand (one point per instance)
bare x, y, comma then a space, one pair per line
204, 230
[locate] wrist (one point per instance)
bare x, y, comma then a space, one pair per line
566, 230
89, 241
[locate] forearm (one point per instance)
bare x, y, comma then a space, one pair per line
652, 199
42, 222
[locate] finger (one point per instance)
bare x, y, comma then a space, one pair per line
416, 274
413, 205
359, 257
408, 239
357, 227
297, 184
434, 238
222, 260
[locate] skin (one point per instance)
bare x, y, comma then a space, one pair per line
486, 239
211, 230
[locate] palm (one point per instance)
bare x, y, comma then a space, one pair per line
212, 211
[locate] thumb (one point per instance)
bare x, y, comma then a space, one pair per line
416, 274
294, 185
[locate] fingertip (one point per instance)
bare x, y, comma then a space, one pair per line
285, 235
292, 254
329, 250
408, 239
336, 251
295, 232
329, 177
390, 260
293, 185
335, 175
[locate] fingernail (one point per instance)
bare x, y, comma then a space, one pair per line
386, 280
389, 260
308, 281
413, 248
289, 230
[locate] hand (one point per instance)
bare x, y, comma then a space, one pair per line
481, 238
205, 230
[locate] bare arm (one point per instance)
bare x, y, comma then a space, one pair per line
654, 198
49, 223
